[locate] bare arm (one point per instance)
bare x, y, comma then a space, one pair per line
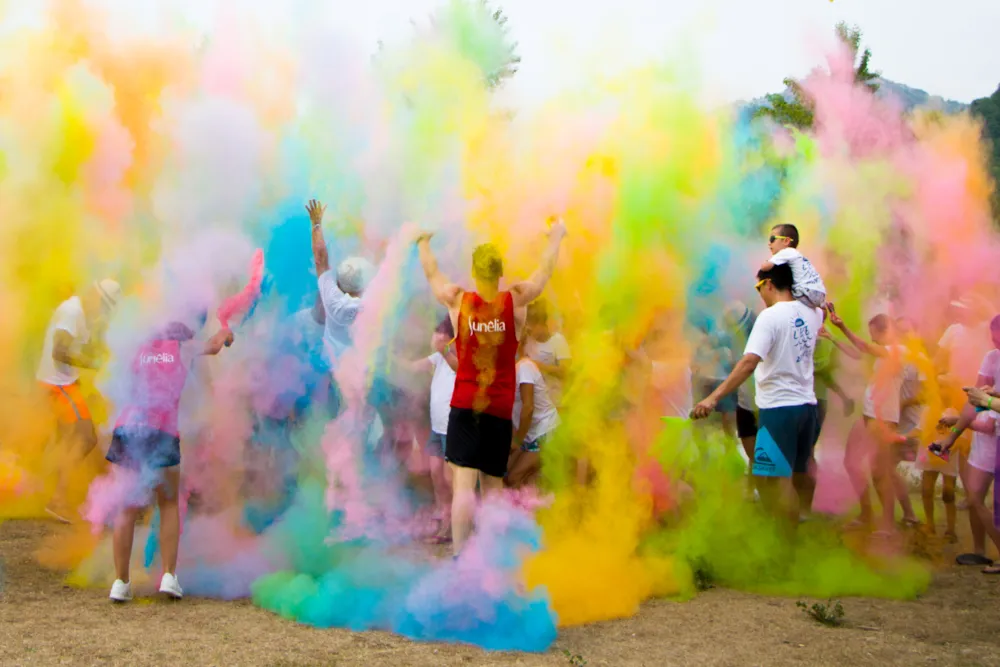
62, 341
447, 293
767, 266
527, 412
558, 371
320, 255
741, 373
529, 290
318, 311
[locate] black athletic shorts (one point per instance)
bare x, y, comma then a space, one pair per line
138, 447
746, 423
478, 440
785, 441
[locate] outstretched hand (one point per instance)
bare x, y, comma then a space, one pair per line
835, 319
316, 210
704, 408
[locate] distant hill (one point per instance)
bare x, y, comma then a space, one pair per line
914, 97
911, 98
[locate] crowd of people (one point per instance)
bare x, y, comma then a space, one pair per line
500, 372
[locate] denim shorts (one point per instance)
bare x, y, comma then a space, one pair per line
435, 445
535, 445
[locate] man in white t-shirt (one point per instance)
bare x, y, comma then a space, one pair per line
536, 417
779, 354
72, 340
549, 350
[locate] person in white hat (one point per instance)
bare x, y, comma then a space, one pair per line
340, 292
72, 339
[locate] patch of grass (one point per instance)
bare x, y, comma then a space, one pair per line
830, 614
704, 579
575, 659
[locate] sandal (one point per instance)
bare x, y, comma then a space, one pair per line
972, 559
911, 523
992, 569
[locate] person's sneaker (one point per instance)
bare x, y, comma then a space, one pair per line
121, 591
169, 586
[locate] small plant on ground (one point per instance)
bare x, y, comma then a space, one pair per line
831, 613
575, 659
703, 577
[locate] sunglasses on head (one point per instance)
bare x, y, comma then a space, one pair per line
760, 283
775, 237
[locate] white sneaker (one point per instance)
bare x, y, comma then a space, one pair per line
169, 585
121, 591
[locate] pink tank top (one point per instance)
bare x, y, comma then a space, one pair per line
158, 376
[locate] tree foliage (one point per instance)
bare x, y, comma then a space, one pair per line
794, 108
988, 109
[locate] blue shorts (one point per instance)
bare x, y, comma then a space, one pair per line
785, 440
435, 445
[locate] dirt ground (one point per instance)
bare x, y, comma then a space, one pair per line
44, 622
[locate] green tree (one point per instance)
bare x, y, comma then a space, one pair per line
799, 110
988, 110
481, 34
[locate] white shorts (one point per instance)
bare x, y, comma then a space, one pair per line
983, 454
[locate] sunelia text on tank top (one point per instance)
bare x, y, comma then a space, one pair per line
158, 377
486, 346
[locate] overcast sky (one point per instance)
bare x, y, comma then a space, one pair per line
744, 48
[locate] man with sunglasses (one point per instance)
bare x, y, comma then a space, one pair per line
779, 354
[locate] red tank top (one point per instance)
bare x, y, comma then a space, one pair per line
486, 346
158, 377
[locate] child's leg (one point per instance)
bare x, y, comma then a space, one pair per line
441, 480
170, 518
525, 468
122, 541
948, 496
928, 480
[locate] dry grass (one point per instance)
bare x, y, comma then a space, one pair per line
43, 622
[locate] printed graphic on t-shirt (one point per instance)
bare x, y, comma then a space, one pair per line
803, 339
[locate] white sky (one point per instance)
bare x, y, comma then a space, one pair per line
744, 48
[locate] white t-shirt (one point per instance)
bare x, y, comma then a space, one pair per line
341, 311
990, 367
545, 418
882, 395
551, 352
442, 387
784, 337
805, 277
966, 346
911, 416
67, 317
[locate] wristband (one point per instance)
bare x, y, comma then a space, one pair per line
954, 429
989, 403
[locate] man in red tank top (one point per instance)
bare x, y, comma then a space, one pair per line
488, 325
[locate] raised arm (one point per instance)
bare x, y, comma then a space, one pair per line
320, 255
846, 349
447, 293
532, 288
861, 344
222, 338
